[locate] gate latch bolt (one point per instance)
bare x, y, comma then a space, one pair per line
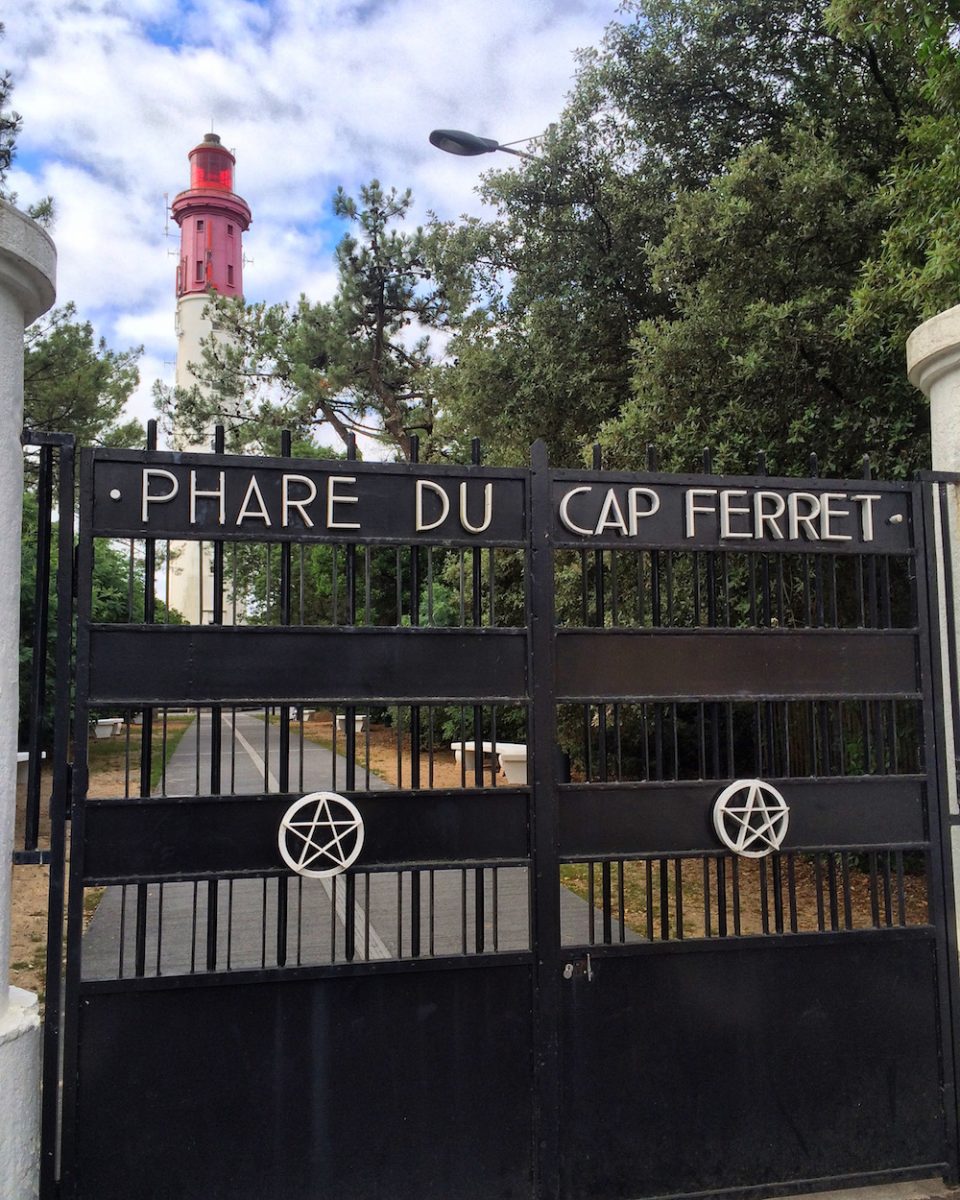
582, 967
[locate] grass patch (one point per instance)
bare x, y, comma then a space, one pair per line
108, 757
576, 877
110, 754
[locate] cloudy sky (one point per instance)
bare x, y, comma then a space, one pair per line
309, 94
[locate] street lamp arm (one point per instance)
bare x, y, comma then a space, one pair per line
518, 153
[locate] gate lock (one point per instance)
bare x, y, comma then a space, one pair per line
583, 966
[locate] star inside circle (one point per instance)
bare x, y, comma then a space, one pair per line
321, 834
751, 818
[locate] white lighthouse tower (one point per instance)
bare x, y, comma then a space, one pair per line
212, 220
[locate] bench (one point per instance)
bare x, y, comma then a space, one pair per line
511, 758
108, 727
23, 764
359, 722
513, 762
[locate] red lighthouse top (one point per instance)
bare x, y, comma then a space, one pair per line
212, 220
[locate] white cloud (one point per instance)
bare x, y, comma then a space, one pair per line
152, 368
309, 94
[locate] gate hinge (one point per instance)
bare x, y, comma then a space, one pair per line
32, 858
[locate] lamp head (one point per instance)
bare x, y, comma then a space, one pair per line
456, 141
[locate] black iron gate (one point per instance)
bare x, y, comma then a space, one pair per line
699, 946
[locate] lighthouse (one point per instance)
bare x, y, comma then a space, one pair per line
212, 220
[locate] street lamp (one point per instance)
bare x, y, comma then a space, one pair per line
456, 141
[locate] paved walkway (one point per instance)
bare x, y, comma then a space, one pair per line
247, 931
921, 1189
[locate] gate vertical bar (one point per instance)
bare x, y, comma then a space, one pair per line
216, 711
415, 728
283, 770
601, 620
541, 686
934, 582
71, 1006
350, 732
476, 575
38, 681
146, 749
59, 810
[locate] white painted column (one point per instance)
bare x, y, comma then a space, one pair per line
27, 270
933, 365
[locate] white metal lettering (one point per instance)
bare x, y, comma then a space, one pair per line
156, 473
487, 509
633, 511
796, 518
437, 490
827, 514
866, 500
216, 494
727, 510
258, 514
693, 508
611, 515
300, 505
565, 511
762, 519
334, 497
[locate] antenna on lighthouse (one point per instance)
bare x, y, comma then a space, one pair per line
166, 223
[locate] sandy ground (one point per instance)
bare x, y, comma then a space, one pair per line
30, 883
28, 942
28, 922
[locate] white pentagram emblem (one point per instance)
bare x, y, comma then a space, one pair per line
321, 834
751, 817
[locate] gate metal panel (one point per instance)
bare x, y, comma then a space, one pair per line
726, 1058
566, 1048
722, 664
746, 1066
279, 1079
289, 665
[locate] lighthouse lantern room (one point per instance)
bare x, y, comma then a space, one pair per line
212, 220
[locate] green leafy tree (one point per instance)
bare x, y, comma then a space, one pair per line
759, 268
361, 363
914, 271
74, 383
573, 265
118, 590
10, 125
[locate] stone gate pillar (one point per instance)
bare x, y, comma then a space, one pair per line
933, 365
27, 269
